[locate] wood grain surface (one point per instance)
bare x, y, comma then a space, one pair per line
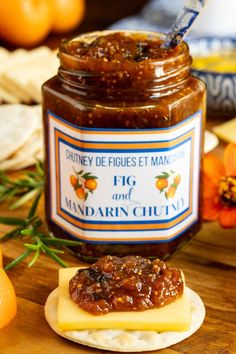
208, 263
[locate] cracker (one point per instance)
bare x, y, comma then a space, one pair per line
15, 58
4, 53
126, 340
38, 67
211, 141
38, 115
17, 126
5, 95
10, 88
37, 78
35, 83
21, 69
29, 161
27, 154
8, 96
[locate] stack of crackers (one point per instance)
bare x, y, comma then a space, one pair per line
21, 137
22, 73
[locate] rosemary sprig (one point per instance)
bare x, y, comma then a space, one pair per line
22, 189
38, 242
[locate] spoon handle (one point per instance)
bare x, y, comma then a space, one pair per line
183, 23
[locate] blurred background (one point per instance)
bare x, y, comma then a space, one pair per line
31, 22
74, 16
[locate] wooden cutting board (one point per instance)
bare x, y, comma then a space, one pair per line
208, 262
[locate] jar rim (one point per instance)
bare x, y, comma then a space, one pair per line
71, 61
93, 76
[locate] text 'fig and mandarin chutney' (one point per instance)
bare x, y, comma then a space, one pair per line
123, 124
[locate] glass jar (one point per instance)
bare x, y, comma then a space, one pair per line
123, 123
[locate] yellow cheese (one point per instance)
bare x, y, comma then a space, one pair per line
173, 317
226, 131
223, 62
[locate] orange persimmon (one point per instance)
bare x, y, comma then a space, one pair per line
67, 14
1, 262
8, 303
25, 22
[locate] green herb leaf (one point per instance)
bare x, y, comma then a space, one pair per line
34, 206
161, 176
11, 221
93, 259
22, 190
166, 174
39, 168
32, 247
34, 259
27, 232
86, 175
24, 199
62, 242
18, 259
57, 259
10, 234
18, 188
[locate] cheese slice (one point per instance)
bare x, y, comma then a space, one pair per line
226, 131
172, 317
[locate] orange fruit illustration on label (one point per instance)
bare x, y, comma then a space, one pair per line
73, 180
80, 192
90, 184
167, 183
161, 183
177, 180
8, 304
171, 192
84, 183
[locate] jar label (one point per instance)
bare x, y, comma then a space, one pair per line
124, 185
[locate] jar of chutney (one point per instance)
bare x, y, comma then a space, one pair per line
123, 123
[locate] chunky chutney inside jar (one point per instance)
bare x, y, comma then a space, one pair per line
125, 284
121, 47
128, 113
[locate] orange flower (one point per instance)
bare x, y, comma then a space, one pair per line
219, 201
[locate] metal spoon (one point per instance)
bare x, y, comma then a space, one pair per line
183, 23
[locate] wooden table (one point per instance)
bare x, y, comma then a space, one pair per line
208, 263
